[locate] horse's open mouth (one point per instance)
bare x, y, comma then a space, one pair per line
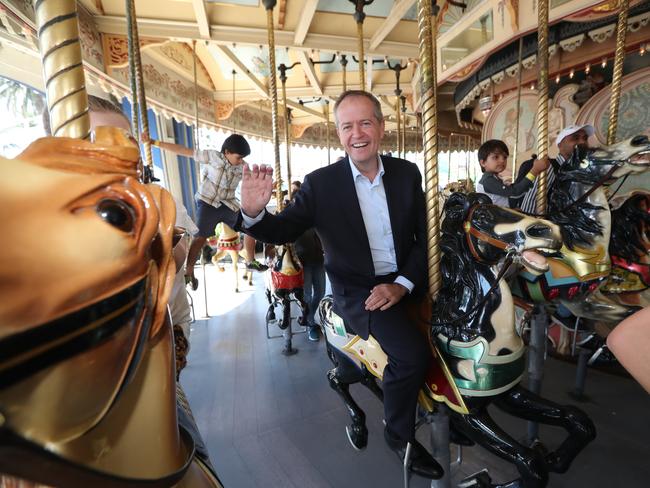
641, 159
28, 352
534, 261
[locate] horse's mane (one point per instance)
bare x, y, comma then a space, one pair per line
577, 227
628, 229
461, 288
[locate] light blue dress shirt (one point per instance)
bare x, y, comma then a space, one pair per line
374, 210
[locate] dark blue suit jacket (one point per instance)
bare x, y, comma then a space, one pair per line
327, 200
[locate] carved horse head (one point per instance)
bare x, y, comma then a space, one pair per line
86, 362
475, 306
578, 204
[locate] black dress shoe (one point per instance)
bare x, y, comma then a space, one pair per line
421, 463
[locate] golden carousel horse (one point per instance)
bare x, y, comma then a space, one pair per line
87, 383
229, 243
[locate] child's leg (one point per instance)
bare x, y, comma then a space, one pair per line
249, 247
207, 219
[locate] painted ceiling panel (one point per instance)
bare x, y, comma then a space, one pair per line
255, 59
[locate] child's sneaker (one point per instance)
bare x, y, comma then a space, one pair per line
255, 265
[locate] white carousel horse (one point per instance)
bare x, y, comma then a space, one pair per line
229, 243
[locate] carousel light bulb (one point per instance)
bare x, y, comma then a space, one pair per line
642, 50
572, 73
385, 59
557, 79
532, 86
604, 62
587, 68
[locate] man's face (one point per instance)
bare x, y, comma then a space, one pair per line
234, 158
359, 130
567, 144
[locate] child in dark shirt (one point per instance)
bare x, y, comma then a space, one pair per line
493, 157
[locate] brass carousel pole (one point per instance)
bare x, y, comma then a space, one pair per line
287, 138
427, 26
539, 320
58, 40
359, 17
187, 166
196, 99
344, 66
542, 101
399, 124
135, 106
427, 40
327, 131
518, 108
287, 120
621, 30
269, 5
142, 101
403, 135
234, 118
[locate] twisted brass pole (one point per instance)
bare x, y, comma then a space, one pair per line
287, 138
362, 64
516, 148
344, 66
621, 30
135, 106
234, 118
403, 134
327, 131
196, 99
142, 101
542, 101
65, 83
273, 88
427, 48
399, 139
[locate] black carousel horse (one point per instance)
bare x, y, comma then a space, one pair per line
473, 327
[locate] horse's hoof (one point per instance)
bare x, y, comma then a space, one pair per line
358, 437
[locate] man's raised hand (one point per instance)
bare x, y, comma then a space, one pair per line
256, 189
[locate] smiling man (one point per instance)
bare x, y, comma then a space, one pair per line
369, 214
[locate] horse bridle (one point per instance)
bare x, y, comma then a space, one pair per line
471, 231
474, 232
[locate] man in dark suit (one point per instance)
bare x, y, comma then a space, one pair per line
369, 214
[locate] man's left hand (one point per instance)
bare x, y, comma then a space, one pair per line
384, 296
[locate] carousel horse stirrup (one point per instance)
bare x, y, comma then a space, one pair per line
419, 461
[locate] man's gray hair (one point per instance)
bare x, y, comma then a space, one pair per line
359, 93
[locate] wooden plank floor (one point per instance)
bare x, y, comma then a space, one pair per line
272, 421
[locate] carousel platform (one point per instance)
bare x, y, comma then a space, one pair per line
272, 421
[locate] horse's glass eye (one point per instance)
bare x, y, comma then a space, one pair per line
116, 213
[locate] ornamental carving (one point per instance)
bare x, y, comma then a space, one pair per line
116, 49
298, 130
572, 43
223, 110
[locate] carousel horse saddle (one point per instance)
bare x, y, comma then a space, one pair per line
340, 335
